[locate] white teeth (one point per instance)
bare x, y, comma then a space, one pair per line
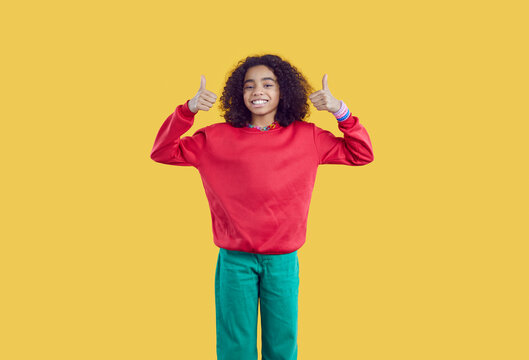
258, 102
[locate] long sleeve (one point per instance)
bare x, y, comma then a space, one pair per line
353, 149
172, 149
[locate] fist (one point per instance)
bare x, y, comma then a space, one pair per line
204, 99
323, 99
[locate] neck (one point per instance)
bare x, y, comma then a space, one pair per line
262, 121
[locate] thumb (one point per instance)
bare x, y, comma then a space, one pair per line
324, 82
202, 82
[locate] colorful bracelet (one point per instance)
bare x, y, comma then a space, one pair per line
343, 113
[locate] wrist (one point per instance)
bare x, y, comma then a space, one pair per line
190, 107
336, 107
343, 113
186, 111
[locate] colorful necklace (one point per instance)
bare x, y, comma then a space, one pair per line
264, 128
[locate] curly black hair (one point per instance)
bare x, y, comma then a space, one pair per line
293, 87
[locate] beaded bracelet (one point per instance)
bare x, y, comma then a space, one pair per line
343, 113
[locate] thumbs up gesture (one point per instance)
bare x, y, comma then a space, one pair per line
323, 99
204, 99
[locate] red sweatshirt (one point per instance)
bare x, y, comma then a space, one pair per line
259, 183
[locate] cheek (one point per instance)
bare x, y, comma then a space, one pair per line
246, 101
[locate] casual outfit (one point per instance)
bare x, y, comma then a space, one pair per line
259, 185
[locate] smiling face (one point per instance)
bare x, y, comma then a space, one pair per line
261, 94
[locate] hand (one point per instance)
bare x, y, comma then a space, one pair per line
204, 99
323, 99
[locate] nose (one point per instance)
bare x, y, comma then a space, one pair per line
257, 90
257, 93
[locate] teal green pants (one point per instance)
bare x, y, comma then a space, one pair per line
242, 280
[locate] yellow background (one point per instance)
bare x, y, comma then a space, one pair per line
421, 254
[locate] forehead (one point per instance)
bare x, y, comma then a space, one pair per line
258, 72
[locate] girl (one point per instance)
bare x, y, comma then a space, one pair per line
258, 169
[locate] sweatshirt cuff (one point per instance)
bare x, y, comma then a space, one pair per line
185, 110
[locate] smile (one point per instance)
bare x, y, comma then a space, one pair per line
259, 102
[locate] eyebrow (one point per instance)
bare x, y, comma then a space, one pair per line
265, 78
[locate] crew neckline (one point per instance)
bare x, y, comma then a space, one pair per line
257, 131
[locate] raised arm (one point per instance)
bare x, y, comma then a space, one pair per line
169, 147
355, 147
172, 149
